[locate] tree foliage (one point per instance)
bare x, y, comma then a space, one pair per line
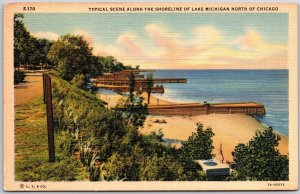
111, 64
199, 145
63, 170
28, 50
260, 159
78, 80
132, 110
19, 76
72, 55
21, 41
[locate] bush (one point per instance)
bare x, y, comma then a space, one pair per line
19, 77
132, 110
78, 80
199, 145
162, 168
64, 144
64, 170
260, 159
121, 167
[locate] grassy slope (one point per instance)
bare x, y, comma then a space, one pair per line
31, 147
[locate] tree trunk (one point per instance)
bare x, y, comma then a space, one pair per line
149, 97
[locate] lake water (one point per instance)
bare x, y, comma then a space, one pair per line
268, 87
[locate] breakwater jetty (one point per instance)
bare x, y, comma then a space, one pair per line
191, 109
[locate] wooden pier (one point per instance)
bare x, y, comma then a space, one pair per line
119, 81
191, 109
137, 81
124, 88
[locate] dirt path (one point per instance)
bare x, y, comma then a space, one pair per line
31, 88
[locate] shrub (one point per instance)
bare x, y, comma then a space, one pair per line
64, 144
199, 145
64, 170
132, 110
260, 159
78, 80
162, 168
19, 76
122, 167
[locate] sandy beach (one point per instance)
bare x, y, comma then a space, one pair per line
229, 129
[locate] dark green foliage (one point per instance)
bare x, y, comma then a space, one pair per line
28, 50
43, 49
19, 76
122, 167
199, 145
65, 143
108, 136
87, 155
88, 158
74, 108
95, 172
149, 85
78, 80
133, 111
21, 41
260, 159
64, 170
72, 55
110, 64
162, 168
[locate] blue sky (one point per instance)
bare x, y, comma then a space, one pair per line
234, 37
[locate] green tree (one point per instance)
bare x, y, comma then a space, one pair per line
72, 55
21, 39
44, 47
28, 50
34, 57
199, 145
110, 64
133, 110
19, 76
149, 85
260, 159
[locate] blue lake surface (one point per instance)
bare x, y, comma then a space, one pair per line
268, 87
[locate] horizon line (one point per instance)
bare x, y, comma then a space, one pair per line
207, 69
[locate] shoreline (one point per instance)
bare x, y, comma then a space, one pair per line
267, 126
229, 129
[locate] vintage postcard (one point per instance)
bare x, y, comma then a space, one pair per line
150, 96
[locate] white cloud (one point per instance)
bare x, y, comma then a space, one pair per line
46, 35
206, 48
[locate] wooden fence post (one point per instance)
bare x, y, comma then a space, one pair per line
49, 111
